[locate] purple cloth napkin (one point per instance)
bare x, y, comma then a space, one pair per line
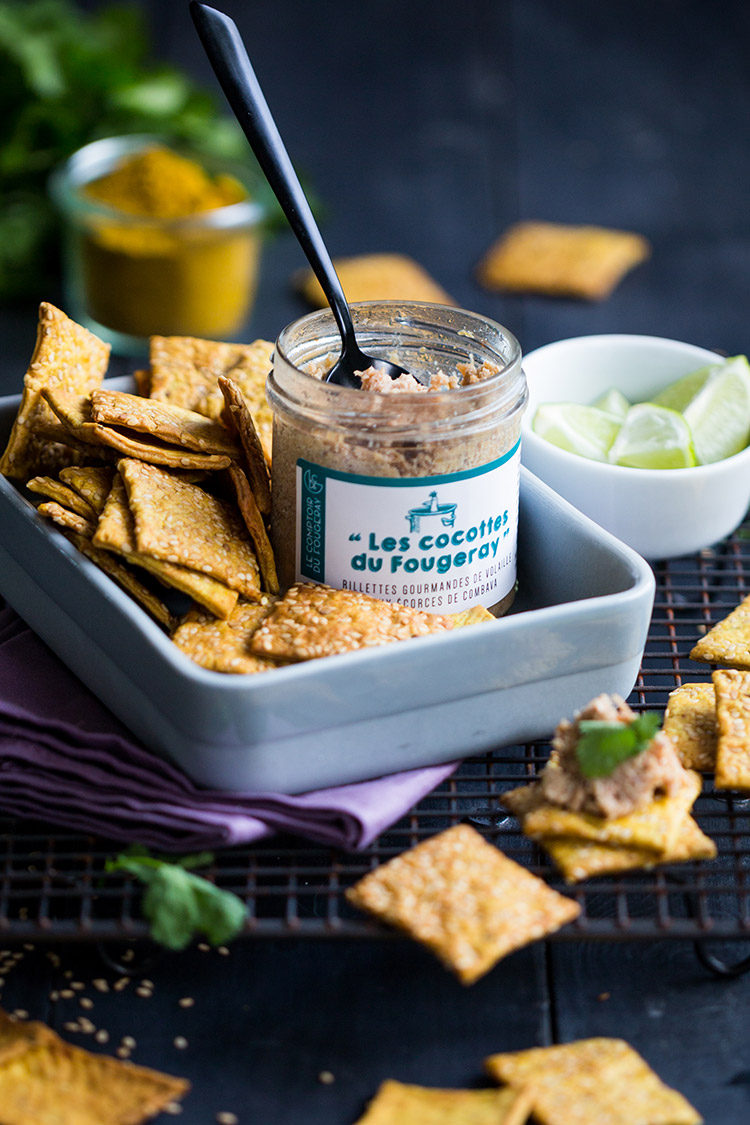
64, 758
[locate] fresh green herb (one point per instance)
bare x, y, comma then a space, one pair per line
179, 904
66, 78
604, 745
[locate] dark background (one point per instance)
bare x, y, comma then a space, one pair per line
426, 127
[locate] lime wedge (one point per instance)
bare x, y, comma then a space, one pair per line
612, 402
678, 394
719, 415
653, 437
579, 429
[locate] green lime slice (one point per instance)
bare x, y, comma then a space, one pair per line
719, 415
677, 395
579, 429
653, 437
612, 402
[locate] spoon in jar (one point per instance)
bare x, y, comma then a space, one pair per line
226, 52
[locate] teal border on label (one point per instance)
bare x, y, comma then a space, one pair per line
409, 482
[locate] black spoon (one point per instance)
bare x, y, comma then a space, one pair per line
226, 53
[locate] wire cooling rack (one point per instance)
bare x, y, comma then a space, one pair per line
53, 883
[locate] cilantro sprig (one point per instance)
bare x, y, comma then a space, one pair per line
604, 745
179, 904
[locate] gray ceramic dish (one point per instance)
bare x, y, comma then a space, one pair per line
578, 627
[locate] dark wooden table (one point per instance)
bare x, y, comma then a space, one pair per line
630, 114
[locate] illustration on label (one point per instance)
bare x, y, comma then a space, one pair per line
442, 543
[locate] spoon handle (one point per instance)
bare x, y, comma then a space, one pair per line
226, 53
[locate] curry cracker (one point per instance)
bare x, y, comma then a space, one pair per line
223, 646
180, 523
313, 621
592, 1081
397, 1103
560, 260
65, 356
690, 722
376, 277
50, 1082
729, 640
733, 726
115, 532
239, 420
462, 898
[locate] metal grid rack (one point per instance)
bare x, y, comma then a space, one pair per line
52, 883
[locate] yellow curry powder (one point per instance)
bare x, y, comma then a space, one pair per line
160, 269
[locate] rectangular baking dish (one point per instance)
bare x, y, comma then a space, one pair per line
578, 627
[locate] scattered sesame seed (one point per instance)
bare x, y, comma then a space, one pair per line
227, 1119
123, 982
326, 1077
147, 984
21, 1013
180, 1042
29, 947
68, 974
54, 995
102, 1036
86, 1025
204, 948
122, 1053
100, 985
128, 955
78, 985
85, 1002
222, 949
186, 1002
71, 1025
146, 993
67, 993
604, 996
173, 1108
128, 1041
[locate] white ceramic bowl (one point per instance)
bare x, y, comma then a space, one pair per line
661, 513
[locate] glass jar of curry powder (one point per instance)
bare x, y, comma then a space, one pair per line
410, 497
157, 241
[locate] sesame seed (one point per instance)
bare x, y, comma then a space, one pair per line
85, 1002
173, 1108
227, 1118
122, 1053
102, 1036
78, 985
203, 947
180, 1042
147, 983
223, 951
21, 1013
326, 1077
128, 1041
146, 993
100, 985
186, 1002
123, 982
67, 993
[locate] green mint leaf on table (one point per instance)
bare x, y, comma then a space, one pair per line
179, 904
603, 746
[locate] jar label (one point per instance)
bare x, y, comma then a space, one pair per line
439, 543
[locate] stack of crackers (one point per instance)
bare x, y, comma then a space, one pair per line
46, 1081
709, 723
658, 829
587, 1082
174, 484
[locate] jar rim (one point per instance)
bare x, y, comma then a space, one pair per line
98, 157
439, 312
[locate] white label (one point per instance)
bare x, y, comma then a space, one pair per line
442, 543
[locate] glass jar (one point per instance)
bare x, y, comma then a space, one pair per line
409, 497
129, 276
